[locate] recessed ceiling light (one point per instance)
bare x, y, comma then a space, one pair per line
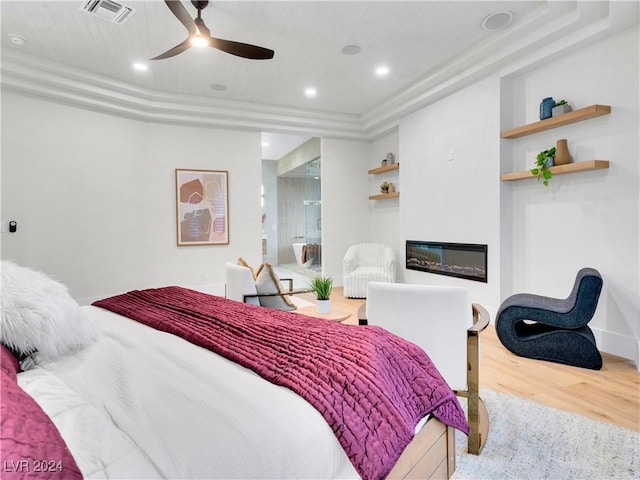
218, 87
382, 71
351, 50
265, 144
17, 39
140, 66
497, 20
310, 92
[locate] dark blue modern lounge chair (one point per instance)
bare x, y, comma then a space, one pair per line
554, 329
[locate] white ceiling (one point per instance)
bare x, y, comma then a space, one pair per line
429, 46
412, 38
277, 145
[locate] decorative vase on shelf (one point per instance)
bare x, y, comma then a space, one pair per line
562, 152
546, 107
391, 188
323, 306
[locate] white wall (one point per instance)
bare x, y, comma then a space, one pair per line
345, 201
270, 225
93, 194
455, 200
538, 237
385, 214
94, 197
587, 219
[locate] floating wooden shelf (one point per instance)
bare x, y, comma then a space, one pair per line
559, 169
386, 168
553, 122
383, 196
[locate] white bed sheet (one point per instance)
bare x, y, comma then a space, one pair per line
140, 403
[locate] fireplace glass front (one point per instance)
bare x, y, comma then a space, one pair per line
462, 260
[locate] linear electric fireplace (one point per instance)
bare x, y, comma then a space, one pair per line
463, 260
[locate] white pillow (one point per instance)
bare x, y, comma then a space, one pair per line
38, 314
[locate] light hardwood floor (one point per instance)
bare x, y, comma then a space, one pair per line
610, 395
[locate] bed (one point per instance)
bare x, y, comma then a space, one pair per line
165, 395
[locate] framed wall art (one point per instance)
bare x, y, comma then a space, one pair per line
202, 205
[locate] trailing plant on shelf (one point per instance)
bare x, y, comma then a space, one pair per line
561, 102
544, 160
322, 287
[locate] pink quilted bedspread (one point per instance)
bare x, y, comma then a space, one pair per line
372, 387
30, 444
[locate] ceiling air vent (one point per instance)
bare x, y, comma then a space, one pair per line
108, 10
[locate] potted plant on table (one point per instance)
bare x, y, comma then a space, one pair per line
322, 287
544, 160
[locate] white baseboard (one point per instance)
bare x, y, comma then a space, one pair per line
619, 345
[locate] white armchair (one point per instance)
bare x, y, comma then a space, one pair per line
265, 289
444, 322
240, 284
364, 263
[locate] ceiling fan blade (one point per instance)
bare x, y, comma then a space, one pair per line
244, 50
181, 14
175, 50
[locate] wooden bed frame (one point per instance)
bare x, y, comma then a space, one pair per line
432, 453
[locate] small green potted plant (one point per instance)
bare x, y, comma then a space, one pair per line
544, 160
384, 187
561, 108
322, 287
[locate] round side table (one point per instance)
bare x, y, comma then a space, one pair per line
334, 315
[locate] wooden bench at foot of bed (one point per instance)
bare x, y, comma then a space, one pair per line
431, 454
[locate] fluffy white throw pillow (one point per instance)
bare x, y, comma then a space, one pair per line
39, 314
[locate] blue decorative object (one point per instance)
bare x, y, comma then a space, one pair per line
546, 106
554, 329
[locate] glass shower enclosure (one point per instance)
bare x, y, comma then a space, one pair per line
313, 215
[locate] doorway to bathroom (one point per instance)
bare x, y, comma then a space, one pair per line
307, 248
292, 206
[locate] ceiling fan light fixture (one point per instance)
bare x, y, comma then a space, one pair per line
200, 35
199, 41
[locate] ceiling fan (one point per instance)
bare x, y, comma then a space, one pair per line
200, 35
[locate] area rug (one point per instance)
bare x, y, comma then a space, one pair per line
528, 440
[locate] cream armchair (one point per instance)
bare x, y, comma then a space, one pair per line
265, 289
364, 263
444, 322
